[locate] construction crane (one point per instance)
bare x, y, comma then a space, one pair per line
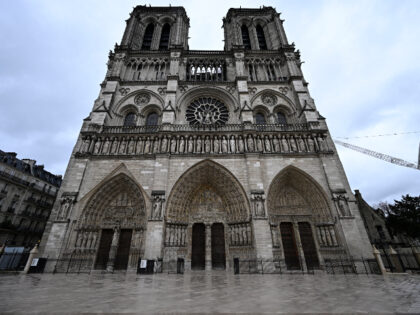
381, 156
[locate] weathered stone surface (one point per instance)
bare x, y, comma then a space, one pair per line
181, 141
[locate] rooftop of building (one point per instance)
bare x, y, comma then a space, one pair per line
29, 167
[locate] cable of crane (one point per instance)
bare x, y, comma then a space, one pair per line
380, 156
382, 135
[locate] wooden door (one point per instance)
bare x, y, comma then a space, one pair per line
289, 246
103, 250
198, 250
308, 245
218, 255
123, 251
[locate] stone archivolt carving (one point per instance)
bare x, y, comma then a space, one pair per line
269, 99
204, 144
118, 203
342, 203
142, 99
207, 111
292, 194
258, 198
207, 191
66, 204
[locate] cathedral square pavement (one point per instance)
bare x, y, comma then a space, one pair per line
215, 292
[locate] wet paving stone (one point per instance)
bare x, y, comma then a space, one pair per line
214, 292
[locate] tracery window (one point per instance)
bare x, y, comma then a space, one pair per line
261, 38
130, 119
281, 118
207, 111
164, 37
152, 119
260, 118
245, 37
148, 36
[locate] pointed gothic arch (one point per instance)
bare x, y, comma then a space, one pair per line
294, 193
203, 184
118, 201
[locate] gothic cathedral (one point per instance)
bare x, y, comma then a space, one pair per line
205, 158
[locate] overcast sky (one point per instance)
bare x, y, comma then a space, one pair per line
362, 61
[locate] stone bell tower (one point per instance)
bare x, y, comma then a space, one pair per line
204, 158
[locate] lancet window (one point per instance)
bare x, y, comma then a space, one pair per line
130, 120
261, 38
245, 37
281, 118
164, 37
148, 36
260, 118
152, 119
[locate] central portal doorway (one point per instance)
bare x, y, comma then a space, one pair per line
198, 252
218, 256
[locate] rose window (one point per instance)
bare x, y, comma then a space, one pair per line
207, 111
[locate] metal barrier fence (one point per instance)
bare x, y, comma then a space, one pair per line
350, 265
17, 261
400, 262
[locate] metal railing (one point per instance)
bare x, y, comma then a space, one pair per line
207, 128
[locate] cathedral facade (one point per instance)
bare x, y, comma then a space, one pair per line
204, 157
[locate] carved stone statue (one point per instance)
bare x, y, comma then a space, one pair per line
114, 146
156, 145
198, 145
258, 202
207, 144
311, 146
292, 144
259, 144
301, 144
232, 143
85, 145
123, 146
105, 148
139, 146
322, 144
164, 145
284, 144
250, 144
216, 146
190, 145
224, 145
97, 146
267, 144
173, 145
240, 144
276, 144
131, 146
181, 145
147, 146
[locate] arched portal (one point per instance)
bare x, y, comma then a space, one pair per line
208, 202
298, 211
112, 224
